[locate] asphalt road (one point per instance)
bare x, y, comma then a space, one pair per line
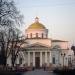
38, 72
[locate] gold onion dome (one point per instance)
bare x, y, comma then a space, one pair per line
36, 25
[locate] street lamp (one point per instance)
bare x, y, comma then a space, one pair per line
63, 55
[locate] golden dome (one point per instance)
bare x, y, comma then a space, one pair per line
36, 25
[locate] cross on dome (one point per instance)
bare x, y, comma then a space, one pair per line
36, 25
36, 19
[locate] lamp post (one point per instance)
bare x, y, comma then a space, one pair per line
63, 55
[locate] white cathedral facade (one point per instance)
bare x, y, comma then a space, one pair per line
41, 50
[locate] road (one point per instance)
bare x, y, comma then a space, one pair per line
39, 72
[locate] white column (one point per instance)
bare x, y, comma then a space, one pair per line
50, 57
40, 59
33, 59
28, 58
24, 58
46, 57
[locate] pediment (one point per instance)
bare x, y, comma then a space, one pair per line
40, 45
56, 47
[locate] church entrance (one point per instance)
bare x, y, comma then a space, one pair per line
37, 62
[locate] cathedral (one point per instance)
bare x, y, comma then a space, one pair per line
40, 50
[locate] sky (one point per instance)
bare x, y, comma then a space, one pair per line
58, 16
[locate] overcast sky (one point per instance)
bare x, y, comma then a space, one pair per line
57, 15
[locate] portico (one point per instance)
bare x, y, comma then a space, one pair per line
39, 57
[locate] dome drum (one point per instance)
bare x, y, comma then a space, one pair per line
36, 34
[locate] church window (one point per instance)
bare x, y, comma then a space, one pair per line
53, 60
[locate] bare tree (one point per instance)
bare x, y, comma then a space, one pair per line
2, 51
9, 13
10, 47
10, 18
14, 46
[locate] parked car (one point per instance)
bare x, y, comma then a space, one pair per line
21, 69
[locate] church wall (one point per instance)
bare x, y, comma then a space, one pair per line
64, 58
63, 45
65, 61
59, 58
56, 55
